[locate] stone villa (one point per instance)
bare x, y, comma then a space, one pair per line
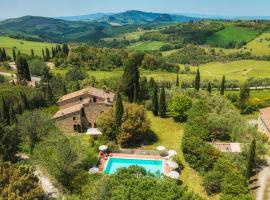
78, 111
264, 121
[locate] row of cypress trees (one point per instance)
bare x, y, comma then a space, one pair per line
197, 82
3, 55
9, 111
47, 55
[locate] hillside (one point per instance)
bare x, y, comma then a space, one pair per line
131, 17
23, 46
57, 30
139, 17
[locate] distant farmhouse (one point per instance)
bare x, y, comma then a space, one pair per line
78, 111
264, 121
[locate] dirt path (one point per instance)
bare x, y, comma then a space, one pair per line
46, 184
263, 192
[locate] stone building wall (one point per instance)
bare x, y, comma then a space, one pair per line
92, 112
262, 127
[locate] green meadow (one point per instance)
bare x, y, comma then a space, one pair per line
23, 46
232, 33
237, 70
146, 46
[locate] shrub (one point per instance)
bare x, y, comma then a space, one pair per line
178, 107
134, 126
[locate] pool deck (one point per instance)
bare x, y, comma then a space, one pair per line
136, 156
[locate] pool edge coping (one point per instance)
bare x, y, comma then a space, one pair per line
163, 162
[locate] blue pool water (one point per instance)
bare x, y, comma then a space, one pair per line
153, 166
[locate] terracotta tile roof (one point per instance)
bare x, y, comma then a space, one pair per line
265, 116
90, 91
67, 111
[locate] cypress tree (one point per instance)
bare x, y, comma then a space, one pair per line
209, 88
65, 49
43, 55
251, 159
24, 101
64, 89
155, 101
162, 102
19, 53
135, 100
119, 110
1, 55
12, 116
130, 77
197, 80
177, 80
32, 52
4, 111
222, 86
4, 56
244, 96
50, 97
23, 72
144, 92
151, 85
14, 54
47, 54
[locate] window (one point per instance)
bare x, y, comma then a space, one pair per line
78, 127
74, 127
80, 98
74, 118
94, 99
90, 125
95, 125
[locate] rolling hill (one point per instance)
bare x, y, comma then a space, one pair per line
139, 17
132, 17
58, 30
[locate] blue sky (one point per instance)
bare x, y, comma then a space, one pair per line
17, 8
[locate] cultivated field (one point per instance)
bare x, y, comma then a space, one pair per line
237, 70
146, 46
224, 37
22, 45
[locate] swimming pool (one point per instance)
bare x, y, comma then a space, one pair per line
115, 163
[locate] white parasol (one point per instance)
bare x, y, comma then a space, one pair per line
93, 170
172, 164
161, 148
172, 153
173, 174
103, 148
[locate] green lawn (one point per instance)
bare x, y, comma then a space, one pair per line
170, 135
232, 33
22, 45
260, 94
146, 46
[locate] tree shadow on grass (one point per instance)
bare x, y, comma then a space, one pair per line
151, 138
